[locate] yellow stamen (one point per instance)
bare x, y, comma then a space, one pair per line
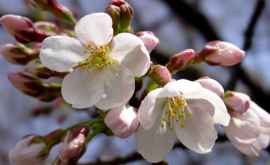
98, 57
176, 110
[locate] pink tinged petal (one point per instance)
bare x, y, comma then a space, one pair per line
119, 86
199, 132
154, 144
122, 121
83, 88
245, 135
95, 29
149, 39
61, 53
212, 85
238, 102
219, 111
262, 115
254, 148
223, 53
130, 51
243, 128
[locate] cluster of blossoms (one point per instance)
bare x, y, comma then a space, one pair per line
100, 62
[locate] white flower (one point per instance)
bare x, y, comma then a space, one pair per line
25, 153
102, 67
182, 110
249, 132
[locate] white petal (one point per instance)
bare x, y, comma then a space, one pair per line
131, 52
218, 108
261, 113
199, 133
83, 88
153, 144
95, 29
119, 86
244, 133
183, 86
61, 53
150, 109
245, 136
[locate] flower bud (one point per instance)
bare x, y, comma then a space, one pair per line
28, 152
149, 39
122, 121
122, 14
18, 54
238, 103
48, 28
160, 74
37, 69
34, 87
212, 85
21, 28
55, 8
221, 53
73, 146
181, 60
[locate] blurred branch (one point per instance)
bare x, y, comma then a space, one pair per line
193, 17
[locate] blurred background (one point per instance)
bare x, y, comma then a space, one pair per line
179, 24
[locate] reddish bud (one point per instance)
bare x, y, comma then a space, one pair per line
21, 28
221, 53
56, 8
37, 69
18, 54
212, 85
49, 28
149, 39
122, 14
238, 103
34, 87
73, 146
160, 74
181, 60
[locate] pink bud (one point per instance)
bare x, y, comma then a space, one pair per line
237, 102
55, 7
26, 152
181, 60
73, 146
212, 85
21, 28
122, 121
49, 28
18, 54
34, 87
160, 74
37, 69
149, 39
221, 53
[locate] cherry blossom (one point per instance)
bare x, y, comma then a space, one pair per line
182, 110
100, 65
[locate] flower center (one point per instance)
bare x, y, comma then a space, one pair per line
98, 57
176, 110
